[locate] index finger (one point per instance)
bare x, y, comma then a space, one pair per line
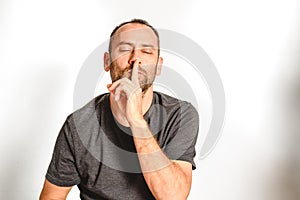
135, 73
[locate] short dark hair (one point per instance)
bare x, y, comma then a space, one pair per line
137, 21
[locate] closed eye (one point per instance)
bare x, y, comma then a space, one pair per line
125, 48
147, 50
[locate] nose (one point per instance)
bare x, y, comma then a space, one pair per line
135, 54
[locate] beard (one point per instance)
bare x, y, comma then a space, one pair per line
146, 79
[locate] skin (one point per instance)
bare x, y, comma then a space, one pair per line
133, 64
53, 192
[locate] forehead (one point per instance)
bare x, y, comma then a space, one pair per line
136, 34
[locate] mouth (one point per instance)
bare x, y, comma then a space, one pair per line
129, 73
141, 73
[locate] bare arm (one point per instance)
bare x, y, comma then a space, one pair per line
54, 192
165, 178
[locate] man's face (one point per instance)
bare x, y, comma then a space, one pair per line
130, 43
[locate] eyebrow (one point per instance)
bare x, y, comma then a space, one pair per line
123, 43
148, 45
131, 44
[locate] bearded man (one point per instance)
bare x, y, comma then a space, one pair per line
132, 142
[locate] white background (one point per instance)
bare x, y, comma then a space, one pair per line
254, 45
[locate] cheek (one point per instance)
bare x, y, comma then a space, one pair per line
122, 62
150, 72
150, 60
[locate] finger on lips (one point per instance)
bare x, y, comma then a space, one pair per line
116, 87
135, 72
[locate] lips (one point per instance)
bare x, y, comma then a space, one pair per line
129, 73
142, 73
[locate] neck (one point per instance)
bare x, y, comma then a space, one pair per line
119, 113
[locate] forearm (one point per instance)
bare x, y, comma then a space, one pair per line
164, 181
165, 178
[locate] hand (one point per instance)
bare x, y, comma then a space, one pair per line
128, 95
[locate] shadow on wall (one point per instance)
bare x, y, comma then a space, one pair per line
287, 185
291, 180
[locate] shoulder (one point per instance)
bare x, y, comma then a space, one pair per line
172, 104
89, 111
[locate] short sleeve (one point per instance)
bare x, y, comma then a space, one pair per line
183, 132
62, 170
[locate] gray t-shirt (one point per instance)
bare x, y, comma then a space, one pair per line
96, 153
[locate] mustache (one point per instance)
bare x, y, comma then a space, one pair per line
128, 70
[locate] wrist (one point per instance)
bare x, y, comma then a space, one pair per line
140, 129
138, 123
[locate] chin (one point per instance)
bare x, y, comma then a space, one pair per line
145, 87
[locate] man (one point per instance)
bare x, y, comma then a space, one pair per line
130, 143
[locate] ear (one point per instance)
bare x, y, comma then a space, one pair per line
106, 60
159, 65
